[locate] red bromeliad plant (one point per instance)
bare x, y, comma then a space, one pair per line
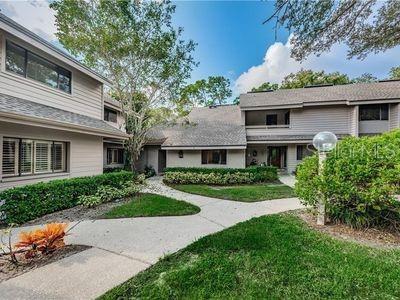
44, 240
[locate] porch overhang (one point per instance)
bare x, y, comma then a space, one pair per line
205, 147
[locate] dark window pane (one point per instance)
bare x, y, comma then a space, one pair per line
300, 149
64, 83
120, 159
369, 112
109, 156
384, 112
223, 157
215, 157
287, 118
204, 157
15, 59
272, 119
110, 115
58, 157
42, 70
10, 157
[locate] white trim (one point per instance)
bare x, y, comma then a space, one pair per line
38, 176
222, 147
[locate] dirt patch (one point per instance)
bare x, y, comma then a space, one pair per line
77, 213
371, 236
8, 270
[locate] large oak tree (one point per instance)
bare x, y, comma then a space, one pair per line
134, 44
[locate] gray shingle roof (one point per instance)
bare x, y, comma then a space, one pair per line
21, 107
207, 127
349, 92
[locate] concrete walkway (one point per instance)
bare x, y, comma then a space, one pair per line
124, 247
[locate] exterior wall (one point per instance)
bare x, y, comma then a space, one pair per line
373, 127
235, 158
394, 116
354, 115
85, 153
261, 154
148, 157
311, 120
85, 98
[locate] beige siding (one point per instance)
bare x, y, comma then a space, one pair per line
85, 152
373, 127
311, 120
192, 158
354, 113
86, 96
394, 117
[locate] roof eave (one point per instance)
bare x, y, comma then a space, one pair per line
41, 122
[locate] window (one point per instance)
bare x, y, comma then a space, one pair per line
213, 157
29, 157
30, 65
304, 151
272, 120
110, 115
374, 112
287, 118
115, 156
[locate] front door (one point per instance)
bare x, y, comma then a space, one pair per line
162, 161
277, 156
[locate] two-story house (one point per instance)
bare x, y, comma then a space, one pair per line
52, 111
274, 127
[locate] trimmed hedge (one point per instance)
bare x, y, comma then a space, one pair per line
25, 203
220, 175
360, 181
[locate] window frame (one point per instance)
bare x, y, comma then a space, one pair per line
302, 152
107, 112
115, 150
382, 108
60, 70
207, 157
51, 158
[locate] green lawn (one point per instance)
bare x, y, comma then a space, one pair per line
244, 193
151, 205
272, 257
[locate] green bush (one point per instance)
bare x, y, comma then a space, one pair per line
254, 174
360, 181
210, 178
21, 204
108, 193
89, 200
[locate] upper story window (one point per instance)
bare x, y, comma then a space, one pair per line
110, 115
30, 65
272, 119
374, 112
217, 157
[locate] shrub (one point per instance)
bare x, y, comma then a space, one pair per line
108, 193
89, 200
130, 189
21, 204
254, 174
149, 171
208, 178
359, 182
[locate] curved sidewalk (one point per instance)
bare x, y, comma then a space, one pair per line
124, 247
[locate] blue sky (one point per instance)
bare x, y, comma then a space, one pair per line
231, 42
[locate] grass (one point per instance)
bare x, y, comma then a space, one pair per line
244, 193
271, 257
151, 205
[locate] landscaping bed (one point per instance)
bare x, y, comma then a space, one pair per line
9, 270
275, 256
244, 193
152, 205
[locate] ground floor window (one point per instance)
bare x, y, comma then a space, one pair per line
304, 151
28, 157
217, 157
115, 156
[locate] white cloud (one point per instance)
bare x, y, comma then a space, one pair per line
277, 64
35, 15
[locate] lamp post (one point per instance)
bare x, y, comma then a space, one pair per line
324, 142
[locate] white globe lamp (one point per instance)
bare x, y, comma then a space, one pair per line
324, 142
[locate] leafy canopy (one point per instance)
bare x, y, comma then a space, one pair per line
364, 26
394, 73
135, 46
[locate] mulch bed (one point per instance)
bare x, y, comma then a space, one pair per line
372, 237
77, 213
9, 270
